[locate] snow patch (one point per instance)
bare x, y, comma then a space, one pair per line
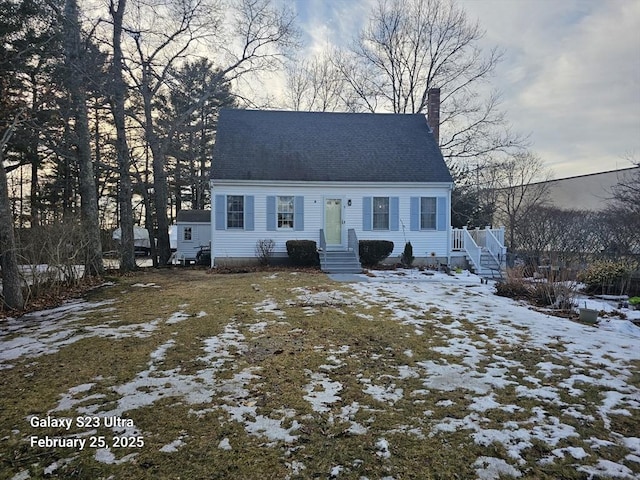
382, 446
224, 444
321, 398
490, 468
173, 446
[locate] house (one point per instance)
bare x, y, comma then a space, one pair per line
336, 178
193, 234
328, 177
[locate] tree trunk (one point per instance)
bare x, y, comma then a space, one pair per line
11, 281
35, 198
87, 185
34, 159
160, 188
127, 248
201, 179
161, 202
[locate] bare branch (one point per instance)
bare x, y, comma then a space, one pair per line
410, 46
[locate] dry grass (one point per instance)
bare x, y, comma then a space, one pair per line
283, 336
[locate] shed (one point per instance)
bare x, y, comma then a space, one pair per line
193, 233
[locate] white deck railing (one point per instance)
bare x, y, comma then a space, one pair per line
474, 251
457, 240
474, 241
495, 246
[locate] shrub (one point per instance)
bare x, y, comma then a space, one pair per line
559, 295
303, 253
264, 250
606, 277
53, 255
407, 257
373, 252
545, 292
513, 288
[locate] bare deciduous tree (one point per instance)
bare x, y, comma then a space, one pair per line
520, 185
626, 194
317, 85
177, 29
562, 236
410, 46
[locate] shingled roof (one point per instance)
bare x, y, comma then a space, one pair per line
194, 216
319, 146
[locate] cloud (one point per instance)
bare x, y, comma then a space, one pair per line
589, 86
570, 74
571, 77
331, 23
597, 57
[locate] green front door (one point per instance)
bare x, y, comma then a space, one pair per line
333, 221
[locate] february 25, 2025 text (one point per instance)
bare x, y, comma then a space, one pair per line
80, 441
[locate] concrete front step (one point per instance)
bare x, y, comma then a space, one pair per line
349, 267
340, 262
342, 270
340, 254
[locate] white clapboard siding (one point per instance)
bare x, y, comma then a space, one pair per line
200, 237
236, 243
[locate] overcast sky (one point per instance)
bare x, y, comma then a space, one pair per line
570, 75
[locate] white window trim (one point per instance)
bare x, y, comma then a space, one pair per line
435, 218
373, 215
227, 212
293, 213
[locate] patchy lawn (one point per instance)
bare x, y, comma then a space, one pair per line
184, 374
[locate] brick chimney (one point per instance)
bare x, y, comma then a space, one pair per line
433, 112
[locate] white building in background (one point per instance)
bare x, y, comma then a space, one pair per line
193, 233
587, 192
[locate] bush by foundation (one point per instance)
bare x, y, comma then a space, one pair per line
373, 252
303, 253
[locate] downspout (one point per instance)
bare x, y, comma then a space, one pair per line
212, 224
449, 239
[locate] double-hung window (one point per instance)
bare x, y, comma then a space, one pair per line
187, 234
235, 211
428, 213
285, 212
381, 213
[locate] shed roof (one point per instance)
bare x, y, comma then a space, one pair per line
319, 146
194, 216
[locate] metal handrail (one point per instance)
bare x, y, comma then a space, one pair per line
353, 243
323, 245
